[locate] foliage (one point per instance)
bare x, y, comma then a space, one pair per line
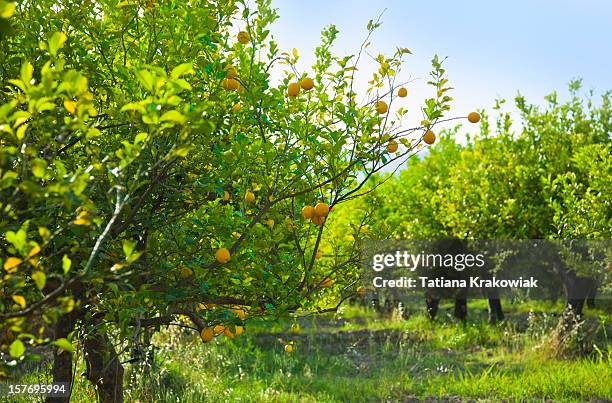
552, 179
139, 137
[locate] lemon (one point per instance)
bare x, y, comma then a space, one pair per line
473, 117
381, 107
429, 137
222, 255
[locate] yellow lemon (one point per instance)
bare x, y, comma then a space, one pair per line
293, 90
249, 197
381, 107
308, 212
186, 272
317, 220
392, 146
429, 137
231, 71
473, 117
218, 329
230, 84
321, 209
207, 334
243, 37
307, 84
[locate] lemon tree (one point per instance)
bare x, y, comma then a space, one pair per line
152, 172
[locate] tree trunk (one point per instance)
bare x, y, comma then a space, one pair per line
62, 360
104, 370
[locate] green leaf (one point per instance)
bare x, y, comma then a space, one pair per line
66, 263
39, 167
133, 107
56, 42
181, 152
7, 9
141, 137
18, 239
173, 116
16, 349
145, 78
40, 279
63, 344
182, 69
26, 73
128, 247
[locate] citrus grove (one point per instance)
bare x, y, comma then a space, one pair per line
153, 174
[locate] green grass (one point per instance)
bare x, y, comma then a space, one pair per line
359, 355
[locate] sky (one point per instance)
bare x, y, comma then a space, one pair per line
495, 49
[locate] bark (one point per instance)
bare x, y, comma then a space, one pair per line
104, 370
62, 360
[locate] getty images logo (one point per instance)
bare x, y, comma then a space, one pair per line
410, 261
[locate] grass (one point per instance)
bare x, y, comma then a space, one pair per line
358, 355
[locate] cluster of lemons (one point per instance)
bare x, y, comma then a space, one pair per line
429, 137
230, 82
293, 89
210, 332
316, 214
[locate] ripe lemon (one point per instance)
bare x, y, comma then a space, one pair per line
318, 255
226, 196
317, 220
228, 333
402, 92
361, 292
186, 272
293, 90
236, 108
429, 137
231, 71
295, 328
231, 84
308, 212
222, 255
321, 209
269, 223
392, 146
218, 329
239, 330
328, 282
239, 312
207, 334
243, 37
249, 197
473, 117
307, 83
381, 107
288, 348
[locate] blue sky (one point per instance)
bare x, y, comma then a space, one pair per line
494, 48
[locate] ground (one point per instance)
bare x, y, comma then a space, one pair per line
358, 355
